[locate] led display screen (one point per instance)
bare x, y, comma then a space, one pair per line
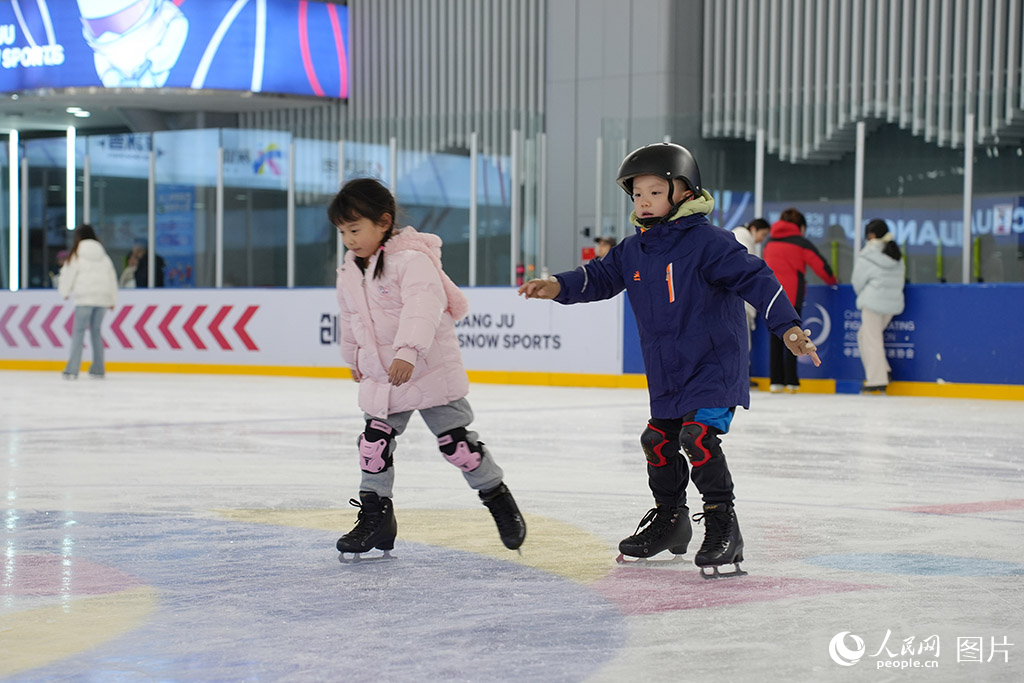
293, 47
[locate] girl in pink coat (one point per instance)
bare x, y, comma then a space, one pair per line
398, 313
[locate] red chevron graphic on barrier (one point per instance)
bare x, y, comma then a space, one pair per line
23, 326
48, 326
165, 325
8, 314
120, 325
239, 328
140, 327
190, 328
116, 327
215, 325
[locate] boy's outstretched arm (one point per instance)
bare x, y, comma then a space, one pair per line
799, 342
540, 289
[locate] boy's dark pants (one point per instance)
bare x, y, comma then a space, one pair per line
668, 444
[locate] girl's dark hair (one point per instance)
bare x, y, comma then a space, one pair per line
364, 198
758, 224
82, 232
791, 215
878, 228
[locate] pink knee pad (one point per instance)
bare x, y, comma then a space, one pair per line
458, 451
375, 447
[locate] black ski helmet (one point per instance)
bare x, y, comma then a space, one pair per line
665, 159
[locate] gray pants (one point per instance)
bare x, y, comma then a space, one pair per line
91, 317
439, 420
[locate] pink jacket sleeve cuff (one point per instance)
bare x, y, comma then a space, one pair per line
408, 354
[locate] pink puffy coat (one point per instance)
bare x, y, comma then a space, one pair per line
408, 313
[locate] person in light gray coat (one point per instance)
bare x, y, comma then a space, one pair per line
89, 279
878, 277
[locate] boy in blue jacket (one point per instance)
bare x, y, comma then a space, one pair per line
687, 281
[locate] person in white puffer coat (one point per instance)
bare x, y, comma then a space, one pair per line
89, 279
397, 320
878, 278
751, 236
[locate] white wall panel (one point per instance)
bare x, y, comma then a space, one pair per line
429, 72
823, 65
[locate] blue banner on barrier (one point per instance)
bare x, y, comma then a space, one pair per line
972, 334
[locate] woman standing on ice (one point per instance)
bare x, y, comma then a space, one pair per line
88, 277
878, 277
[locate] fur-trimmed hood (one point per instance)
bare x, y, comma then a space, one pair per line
704, 205
408, 238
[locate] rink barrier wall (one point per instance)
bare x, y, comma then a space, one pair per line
952, 341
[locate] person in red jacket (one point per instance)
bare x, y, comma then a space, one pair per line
788, 253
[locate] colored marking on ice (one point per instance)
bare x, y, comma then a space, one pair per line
57, 575
966, 508
642, 590
43, 635
918, 565
471, 531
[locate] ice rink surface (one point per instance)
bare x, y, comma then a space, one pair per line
182, 528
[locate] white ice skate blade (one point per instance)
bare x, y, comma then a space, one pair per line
715, 574
356, 558
648, 561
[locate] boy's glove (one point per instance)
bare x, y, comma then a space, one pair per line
799, 342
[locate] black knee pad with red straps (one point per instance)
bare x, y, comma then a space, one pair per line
659, 445
700, 442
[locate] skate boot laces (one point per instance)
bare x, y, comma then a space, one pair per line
717, 526
367, 522
657, 519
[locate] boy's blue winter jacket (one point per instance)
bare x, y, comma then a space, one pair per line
686, 280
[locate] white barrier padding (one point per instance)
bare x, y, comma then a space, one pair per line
299, 328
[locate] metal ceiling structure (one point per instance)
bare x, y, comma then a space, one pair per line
133, 109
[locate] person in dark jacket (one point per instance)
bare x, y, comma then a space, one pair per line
686, 281
788, 253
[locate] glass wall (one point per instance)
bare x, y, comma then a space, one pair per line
494, 224
273, 189
256, 168
997, 225
118, 191
915, 185
316, 240
5, 220
47, 208
186, 207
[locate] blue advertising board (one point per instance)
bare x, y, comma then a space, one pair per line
278, 46
969, 334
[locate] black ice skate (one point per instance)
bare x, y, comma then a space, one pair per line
723, 542
667, 529
375, 527
511, 526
